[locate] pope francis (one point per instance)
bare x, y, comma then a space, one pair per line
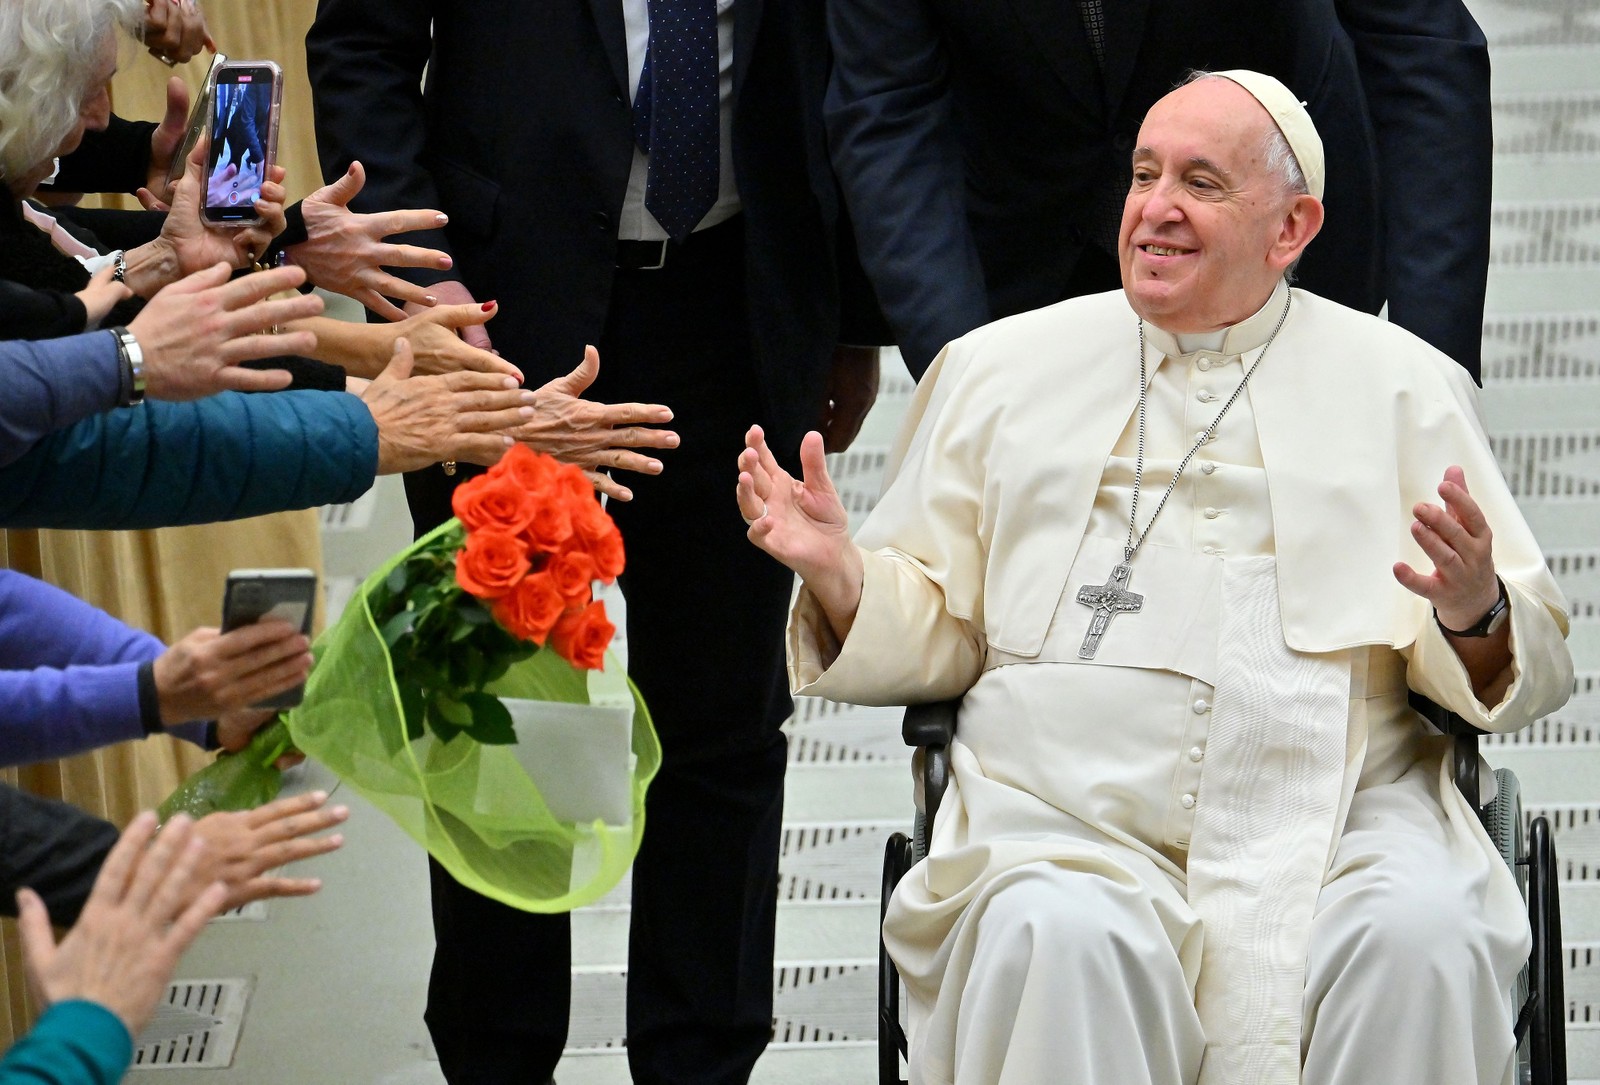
1184, 547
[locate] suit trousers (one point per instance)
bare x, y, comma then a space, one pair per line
705, 619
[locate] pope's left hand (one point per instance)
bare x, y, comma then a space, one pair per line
852, 389
1456, 537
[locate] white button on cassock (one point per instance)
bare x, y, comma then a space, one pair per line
1196, 753
1200, 435
1187, 802
1204, 365
1207, 467
1212, 514
1201, 707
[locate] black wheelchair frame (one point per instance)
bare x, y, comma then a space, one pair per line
1541, 1020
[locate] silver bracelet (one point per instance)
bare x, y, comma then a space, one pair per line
132, 359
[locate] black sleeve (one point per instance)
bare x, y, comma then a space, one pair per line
26, 313
108, 228
307, 374
52, 848
115, 160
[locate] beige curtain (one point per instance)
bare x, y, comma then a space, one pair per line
167, 581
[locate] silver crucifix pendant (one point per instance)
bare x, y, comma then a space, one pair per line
1108, 600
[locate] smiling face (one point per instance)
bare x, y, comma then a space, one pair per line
1208, 228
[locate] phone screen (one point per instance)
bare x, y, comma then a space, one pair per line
241, 142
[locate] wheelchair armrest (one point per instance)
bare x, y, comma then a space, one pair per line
931, 724
1466, 745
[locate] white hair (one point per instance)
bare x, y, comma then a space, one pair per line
49, 51
1277, 155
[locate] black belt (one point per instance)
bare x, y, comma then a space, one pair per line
725, 238
642, 255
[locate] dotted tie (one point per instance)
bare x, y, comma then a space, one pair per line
675, 119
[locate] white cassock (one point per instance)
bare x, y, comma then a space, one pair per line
1223, 850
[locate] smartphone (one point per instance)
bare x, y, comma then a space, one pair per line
245, 100
286, 594
199, 114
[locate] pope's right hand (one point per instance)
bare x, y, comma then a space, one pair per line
802, 522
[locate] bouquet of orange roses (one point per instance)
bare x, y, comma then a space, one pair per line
468, 690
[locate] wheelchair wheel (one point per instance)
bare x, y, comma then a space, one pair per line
1502, 818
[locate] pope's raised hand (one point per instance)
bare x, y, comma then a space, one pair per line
1457, 538
801, 522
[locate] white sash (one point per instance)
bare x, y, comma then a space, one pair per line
1263, 828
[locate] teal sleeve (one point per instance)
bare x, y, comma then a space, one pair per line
168, 464
74, 1043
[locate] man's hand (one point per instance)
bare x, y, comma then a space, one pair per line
345, 252
598, 437
437, 345
146, 907
208, 673
852, 389
194, 333
1456, 537
101, 295
243, 845
1463, 585
802, 523
463, 416
175, 30
454, 292
165, 142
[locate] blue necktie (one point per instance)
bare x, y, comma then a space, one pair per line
675, 118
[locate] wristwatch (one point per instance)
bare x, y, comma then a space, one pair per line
1488, 624
132, 359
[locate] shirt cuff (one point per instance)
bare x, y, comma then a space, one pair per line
149, 698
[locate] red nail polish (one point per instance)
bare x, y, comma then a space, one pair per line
489, 305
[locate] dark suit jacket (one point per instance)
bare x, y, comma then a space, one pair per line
523, 136
973, 138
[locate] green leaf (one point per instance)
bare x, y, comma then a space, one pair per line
491, 723
397, 627
397, 579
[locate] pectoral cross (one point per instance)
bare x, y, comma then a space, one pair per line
1108, 600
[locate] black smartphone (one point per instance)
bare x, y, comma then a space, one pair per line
199, 116
245, 100
286, 594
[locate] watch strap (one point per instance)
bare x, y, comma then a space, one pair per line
1486, 624
132, 359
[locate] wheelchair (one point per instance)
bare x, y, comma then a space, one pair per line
1540, 1026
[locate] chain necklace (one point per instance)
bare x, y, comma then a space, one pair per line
1113, 597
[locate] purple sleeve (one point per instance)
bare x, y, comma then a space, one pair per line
52, 384
69, 681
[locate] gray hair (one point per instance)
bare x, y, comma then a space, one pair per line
1277, 155
48, 54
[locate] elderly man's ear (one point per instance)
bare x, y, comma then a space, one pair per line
1300, 224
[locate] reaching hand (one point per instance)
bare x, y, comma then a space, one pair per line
345, 252
598, 437
802, 523
461, 416
208, 673
1457, 538
101, 295
175, 30
453, 292
146, 907
242, 845
165, 142
194, 333
437, 345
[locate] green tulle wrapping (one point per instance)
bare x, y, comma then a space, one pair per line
470, 805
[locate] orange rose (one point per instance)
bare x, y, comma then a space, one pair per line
494, 502
491, 563
574, 484
533, 471
531, 608
583, 635
550, 527
600, 539
573, 572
